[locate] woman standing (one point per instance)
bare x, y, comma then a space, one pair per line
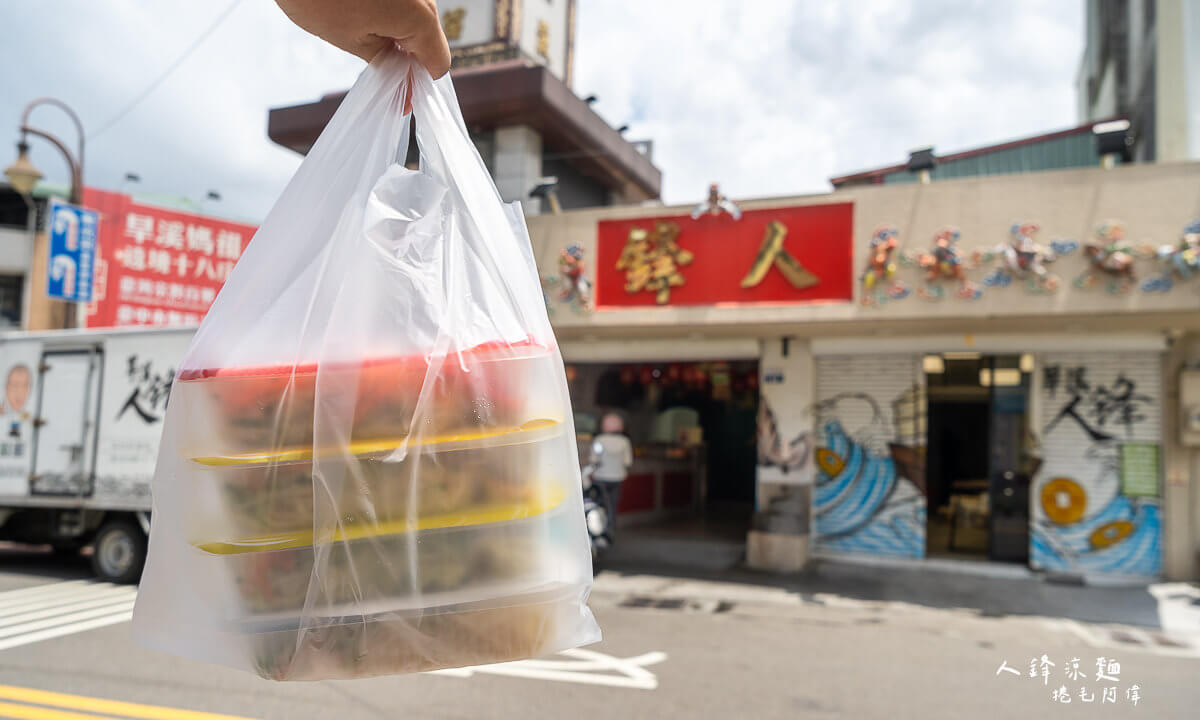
612, 454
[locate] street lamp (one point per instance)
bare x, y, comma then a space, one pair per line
23, 175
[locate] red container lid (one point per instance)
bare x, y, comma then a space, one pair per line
495, 350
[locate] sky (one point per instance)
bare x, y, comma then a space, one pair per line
768, 98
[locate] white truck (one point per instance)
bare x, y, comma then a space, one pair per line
80, 419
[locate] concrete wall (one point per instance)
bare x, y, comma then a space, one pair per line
554, 14
478, 22
1177, 81
517, 165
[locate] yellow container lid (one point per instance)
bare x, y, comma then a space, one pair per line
548, 497
530, 431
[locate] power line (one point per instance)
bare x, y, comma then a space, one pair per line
166, 73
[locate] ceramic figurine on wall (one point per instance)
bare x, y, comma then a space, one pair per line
944, 262
571, 285
576, 289
715, 204
1180, 261
1023, 258
879, 283
1109, 258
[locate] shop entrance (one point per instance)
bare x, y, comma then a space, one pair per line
692, 426
979, 461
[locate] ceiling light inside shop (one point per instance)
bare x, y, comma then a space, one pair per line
961, 355
1026, 363
1000, 377
933, 364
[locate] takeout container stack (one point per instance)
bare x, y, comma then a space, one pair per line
415, 524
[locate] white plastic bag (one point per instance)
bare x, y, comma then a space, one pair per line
368, 464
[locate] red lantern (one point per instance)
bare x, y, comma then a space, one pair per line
674, 372
572, 373
627, 375
646, 375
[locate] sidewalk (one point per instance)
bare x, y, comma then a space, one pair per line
1013, 591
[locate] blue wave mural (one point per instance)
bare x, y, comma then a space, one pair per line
861, 504
1124, 537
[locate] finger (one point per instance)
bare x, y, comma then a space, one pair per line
433, 51
425, 41
368, 47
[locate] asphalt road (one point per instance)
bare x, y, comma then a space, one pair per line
694, 650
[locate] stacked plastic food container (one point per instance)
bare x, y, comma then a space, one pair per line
427, 519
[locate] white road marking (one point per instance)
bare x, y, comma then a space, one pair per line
39, 613
67, 598
51, 612
588, 667
1103, 636
70, 618
65, 630
50, 589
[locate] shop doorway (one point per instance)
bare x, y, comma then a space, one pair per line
692, 426
979, 460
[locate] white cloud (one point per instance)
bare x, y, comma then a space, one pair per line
204, 128
773, 98
767, 97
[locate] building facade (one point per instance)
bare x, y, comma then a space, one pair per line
1141, 60
158, 261
512, 68
1060, 150
999, 368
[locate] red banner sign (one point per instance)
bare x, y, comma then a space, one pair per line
781, 255
157, 266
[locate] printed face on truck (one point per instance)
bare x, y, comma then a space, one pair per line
16, 389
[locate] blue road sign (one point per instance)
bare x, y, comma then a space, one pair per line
72, 231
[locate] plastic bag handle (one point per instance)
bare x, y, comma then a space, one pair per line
448, 145
449, 155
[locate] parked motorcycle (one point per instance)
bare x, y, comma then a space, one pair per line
595, 509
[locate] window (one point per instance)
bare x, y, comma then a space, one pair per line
10, 300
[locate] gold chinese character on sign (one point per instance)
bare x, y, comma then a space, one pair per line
772, 252
543, 39
452, 23
651, 261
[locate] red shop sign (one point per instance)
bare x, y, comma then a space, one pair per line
780, 255
157, 266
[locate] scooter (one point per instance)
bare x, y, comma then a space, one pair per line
595, 509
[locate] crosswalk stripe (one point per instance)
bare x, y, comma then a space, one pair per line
65, 630
94, 705
30, 615
42, 589
62, 610
60, 620
69, 596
